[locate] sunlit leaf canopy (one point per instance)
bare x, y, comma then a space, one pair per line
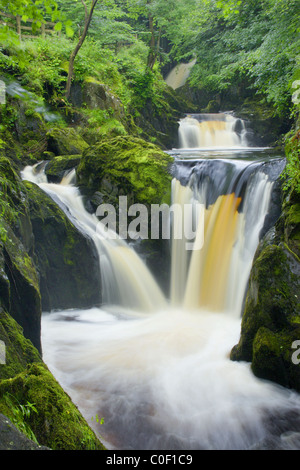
234, 41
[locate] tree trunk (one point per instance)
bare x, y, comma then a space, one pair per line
152, 52
88, 18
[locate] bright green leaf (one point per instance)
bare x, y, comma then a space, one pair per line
58, 26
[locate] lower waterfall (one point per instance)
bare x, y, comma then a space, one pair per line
158, 370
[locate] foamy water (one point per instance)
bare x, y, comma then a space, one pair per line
164, 381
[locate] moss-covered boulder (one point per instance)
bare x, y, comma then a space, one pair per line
65, 142
23, 126
93, 94
273, 356
53, 419
19, 351
125, 166
66, 259
131, 167
33, 401
57, 168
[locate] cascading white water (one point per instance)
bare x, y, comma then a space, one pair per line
216, 276
211, 131
125, 279
165, 381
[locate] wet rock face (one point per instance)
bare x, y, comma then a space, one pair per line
99, 96
12, 439
19, 285
95, 95
66, 259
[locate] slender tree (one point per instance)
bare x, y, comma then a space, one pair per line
87, 21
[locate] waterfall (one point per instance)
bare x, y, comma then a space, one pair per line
178, 76
125, 279
212, 131
215, 277
164, 380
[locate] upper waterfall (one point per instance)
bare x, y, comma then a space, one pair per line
212, 131
178, 76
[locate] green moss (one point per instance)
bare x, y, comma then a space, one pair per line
65, 142
291, 217
267, 360
292, 169
58, 166
131, 165
57, 423
272, 356
19, 351
20, 260
271, 300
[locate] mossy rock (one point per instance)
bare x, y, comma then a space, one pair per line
25, 380
158, 122
19, 285
272, 356
65, 142
266, 126
66, 259
14, 200
291, 216
126, 166
271, 316
10, 148
25, 298
96, 95
11, 438
110, 129
271, 299
24, 131
19, 351
56, 168
57, 423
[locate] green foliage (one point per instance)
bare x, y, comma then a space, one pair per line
98, 420
57, 423
39, 12
143, 87
19, 414
31, 9
252, 43
291, 174
9, 195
